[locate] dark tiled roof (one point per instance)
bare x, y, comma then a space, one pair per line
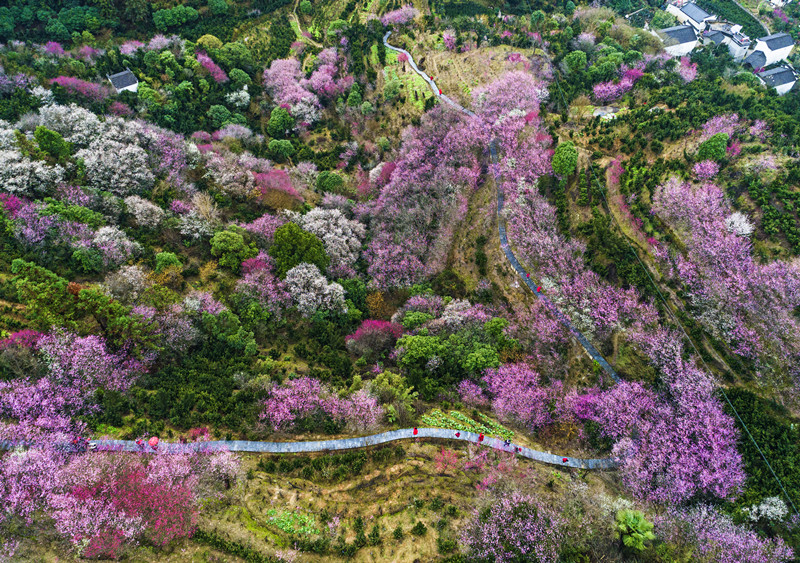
695, 12
123, 79
778, 76
756, 60
777, 40
680, 33
715, 36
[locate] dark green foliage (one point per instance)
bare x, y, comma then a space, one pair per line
445, 545
565, 159
281, 149
231, 249
778, 438
232, 547
329, 182
398, 533
52, 143
713, 148
174, 17
333, 467
293, 246
730, 11
374, 536
419, 529
166, 259
280, 123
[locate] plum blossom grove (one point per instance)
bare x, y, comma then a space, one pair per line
292, 238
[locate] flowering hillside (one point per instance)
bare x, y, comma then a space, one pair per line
305, 222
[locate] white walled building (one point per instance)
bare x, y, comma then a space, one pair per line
770, 49
124, 80
782, 78
678, 40
692, 14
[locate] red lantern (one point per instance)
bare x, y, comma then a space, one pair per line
528, 276
440, 91
539, 289
480, 437
153, 442
415, 431
565, 460
458, 434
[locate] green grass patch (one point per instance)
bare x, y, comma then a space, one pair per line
292, 522
458, 421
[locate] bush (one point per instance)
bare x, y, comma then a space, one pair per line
231, 249
713, 148
419, 529
565, 159
329, 182
398, 533
166, 259
292, 246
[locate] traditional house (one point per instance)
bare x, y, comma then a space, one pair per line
782, 78
124, 80
770, 49
678, 40
729, 35
692, 14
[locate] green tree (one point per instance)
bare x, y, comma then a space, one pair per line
292, 246
52, 143
218, 115
329, 181
565, 159
167, 259
231, 249
354, 98
217, 7
634, 531
575, 61
281, 148
662, 19
305, 7
713, 148
280, 123
239, 77
569, 8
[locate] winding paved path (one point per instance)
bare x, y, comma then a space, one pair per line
355, 443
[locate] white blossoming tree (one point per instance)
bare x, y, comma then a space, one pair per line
311, 292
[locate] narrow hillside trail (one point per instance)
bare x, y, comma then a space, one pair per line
505, 245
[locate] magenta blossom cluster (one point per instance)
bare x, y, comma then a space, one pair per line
687, 69
305, 396
610, 91
726, 123
211, 67
705, 170
518, 395
746, 303
90, 90
515, 527
401, 16
327, 79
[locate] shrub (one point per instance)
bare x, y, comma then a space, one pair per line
231, 249
419, 529
713, 148
373, 338
292, 246
165, 260
565, 159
